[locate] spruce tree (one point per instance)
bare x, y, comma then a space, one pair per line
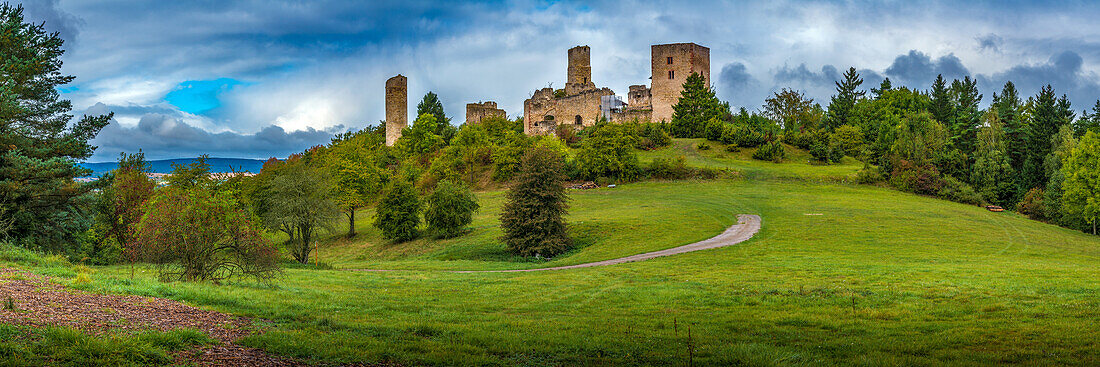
697, 105
1046, 118
430, 104
40, 204
1007, 106
941, 101
1088, 121
840, 107
967, 116
533, 214
883, 87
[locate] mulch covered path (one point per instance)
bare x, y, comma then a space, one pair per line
39, 302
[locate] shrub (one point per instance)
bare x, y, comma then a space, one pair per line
702, 146
713, 129
918, 179
850, 139
771, 151
199, 235
959, 192
742, 135
449, 209
732, 148
669, 169
826, 149
1032, 206
398, 213
870, 175
654, 136
802, 139
608, 152
533, 215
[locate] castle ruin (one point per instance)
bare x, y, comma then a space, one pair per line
475, 112
397, 107
581, 104
577, 105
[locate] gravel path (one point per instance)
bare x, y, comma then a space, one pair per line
39, 302
747, 226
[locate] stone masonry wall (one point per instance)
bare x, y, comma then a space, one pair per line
578, 76
542, 113
397, 107
672, 63
475, 112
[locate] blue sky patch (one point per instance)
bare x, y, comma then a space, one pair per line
198, 96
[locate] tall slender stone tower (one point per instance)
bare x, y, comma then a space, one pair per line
397, 107
578, 76
672, 64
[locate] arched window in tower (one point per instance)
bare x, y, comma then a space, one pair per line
577, 119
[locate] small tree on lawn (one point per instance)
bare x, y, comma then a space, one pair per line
399, 212
532, 218
450, 208
299, 203
200, 234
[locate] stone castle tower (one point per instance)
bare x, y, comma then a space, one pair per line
578, 76
672, 64
397, 107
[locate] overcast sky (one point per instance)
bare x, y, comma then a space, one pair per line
256, 79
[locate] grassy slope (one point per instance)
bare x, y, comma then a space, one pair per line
879, 277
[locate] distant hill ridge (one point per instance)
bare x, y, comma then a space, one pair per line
165, 165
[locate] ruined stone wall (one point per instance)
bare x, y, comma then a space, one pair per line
397, 107
633, 114
639, 97
475, 112
542, 113
672, 63
578, 76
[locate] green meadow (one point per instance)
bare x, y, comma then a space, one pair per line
839, 274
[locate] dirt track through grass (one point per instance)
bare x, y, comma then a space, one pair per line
747, 226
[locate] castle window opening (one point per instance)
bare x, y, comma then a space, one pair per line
578, 119
670, 60
672, 74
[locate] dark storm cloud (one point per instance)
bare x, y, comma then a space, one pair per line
1064, 71
801, 75
916, 69
737, 86
55, 19
990, 42
163, 136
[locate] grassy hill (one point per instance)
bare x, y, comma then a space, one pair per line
839, 274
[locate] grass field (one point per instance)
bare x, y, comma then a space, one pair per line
838, 274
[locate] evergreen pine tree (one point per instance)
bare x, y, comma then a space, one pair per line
941, 101
430, 104
535, 207
840, 107
697, 105
40, 203
1088, 121
1046, 118
1007, 106
883, 87
967, 117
